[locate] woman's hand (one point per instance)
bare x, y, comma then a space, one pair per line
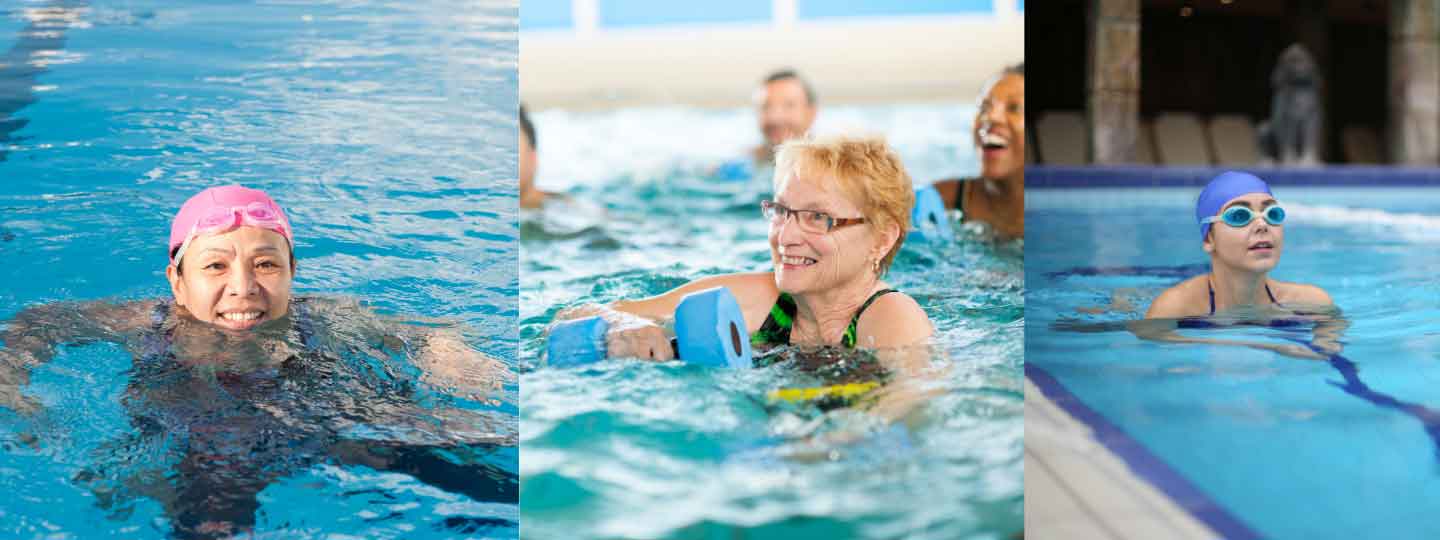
631, 336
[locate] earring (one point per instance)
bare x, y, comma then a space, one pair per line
875, 263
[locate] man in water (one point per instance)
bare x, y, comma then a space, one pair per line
530, 196
785, 107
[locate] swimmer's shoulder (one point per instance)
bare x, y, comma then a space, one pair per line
1301, 293
1189, 298
892, 320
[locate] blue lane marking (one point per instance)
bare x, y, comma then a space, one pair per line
1145, 464
1182, 272
1429, 418
1050, 176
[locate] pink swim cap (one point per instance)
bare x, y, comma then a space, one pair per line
223, 208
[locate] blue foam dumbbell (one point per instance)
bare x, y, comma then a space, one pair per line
928, 220
709, 331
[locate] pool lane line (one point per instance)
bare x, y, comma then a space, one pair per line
1182, 271
1053, 176
1429, 418
1145, 464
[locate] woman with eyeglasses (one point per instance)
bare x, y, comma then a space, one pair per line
840, 213
1242, 227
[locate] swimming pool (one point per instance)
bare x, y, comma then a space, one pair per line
1251, 443
387, 131
631, 450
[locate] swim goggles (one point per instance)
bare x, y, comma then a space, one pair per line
1240, 216
224, 218
809, 221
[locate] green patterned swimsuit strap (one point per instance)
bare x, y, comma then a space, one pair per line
849, 340
776, 328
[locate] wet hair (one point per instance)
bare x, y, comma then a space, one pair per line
865, 169
527, 129
790, 74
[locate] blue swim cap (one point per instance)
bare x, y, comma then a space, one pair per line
1229, 185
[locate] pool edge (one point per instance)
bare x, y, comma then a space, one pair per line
1146, 465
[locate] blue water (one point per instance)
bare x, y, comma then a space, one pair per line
627, 449
1344, 448
387, 131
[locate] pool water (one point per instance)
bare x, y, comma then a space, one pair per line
625, 449
1253, 443
385, 129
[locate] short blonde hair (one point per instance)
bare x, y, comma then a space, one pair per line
865, 169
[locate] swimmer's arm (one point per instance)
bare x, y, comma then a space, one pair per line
33, 334
30, 339
755, 292
443, 357
1328, 330
1164, 330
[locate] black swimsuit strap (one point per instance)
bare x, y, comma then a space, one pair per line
1210, 286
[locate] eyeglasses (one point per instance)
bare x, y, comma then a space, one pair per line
223, 218
1240, 216
809, 221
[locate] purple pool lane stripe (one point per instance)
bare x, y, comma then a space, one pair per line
1140, 460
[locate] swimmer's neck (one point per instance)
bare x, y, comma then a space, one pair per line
1237, 287
821, 317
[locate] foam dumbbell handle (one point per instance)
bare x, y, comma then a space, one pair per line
577, 342
927, 218
710, 330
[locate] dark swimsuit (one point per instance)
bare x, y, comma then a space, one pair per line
1204, 322
776, 329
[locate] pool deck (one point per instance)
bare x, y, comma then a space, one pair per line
1076, 489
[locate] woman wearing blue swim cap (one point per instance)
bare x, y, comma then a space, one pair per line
1242, 227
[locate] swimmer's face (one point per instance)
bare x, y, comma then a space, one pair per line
1254, 247
527, 164
807, 262
785, 111
999, 131
236, 280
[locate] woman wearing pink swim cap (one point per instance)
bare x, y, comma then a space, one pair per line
231, 267
231, 258
235, 357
